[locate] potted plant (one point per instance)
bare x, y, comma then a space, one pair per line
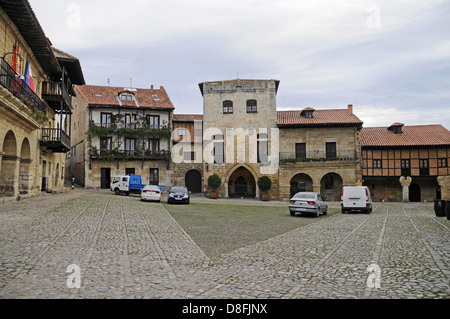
264, 184
214, 182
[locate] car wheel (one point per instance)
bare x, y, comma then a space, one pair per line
343, 211
326, 211
117, 191
318, 212
292, 213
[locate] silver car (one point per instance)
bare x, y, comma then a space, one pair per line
308, 202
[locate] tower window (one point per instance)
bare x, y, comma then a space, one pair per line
252, 106
227, 107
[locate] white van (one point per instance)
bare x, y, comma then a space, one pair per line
356, 198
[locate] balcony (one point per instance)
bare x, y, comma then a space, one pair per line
129, 130
55, 140
57, 96
14, 84
318, 156
130, 155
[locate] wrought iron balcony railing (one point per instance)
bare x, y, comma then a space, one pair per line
56, 140
10, 80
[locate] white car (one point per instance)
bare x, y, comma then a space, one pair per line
308, 202
151, 193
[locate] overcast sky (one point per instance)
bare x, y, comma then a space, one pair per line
390, 59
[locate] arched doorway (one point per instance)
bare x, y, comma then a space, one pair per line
25, 176
414, 193
241, 183
331, 186
8, 167
301, 182
193, 181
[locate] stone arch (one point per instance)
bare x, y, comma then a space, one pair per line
8, 183
331, 186
300, 178
241, 173
25, 175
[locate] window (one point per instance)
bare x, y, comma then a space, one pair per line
153, 122
442, 162
252, 106
406, 167
126, 97
130, 120
189, 156
130, 146
218, 149
377, 163
300, 150
263, 150
154, 176
424, 167
330, 150
130, 171
238, 88
227, 107
153, 145
105, 144
105, 119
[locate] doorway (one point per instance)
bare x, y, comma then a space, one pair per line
105, 182
193, 181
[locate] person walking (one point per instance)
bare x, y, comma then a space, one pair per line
73, 182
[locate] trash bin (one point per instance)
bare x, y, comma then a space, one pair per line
447, 209
439, 207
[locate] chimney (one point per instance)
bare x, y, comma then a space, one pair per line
350, 109
151, 87
161, 88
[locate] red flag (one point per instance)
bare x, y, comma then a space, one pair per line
15, 64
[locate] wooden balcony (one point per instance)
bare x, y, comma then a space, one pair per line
55, 140
57, 96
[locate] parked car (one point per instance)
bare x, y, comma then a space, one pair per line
308, 202
356, 198
178, 194
151, 193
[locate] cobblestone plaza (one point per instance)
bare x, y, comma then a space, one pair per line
124, 248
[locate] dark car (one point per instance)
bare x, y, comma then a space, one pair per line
178, 194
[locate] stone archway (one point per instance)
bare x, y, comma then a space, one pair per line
8, 183
300, 178
331, 186
241, 182
25, 176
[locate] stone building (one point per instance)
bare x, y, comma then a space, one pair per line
320, 148
405, 162
35, 104
246, 138
121, 131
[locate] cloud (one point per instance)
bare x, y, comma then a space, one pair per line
327, 53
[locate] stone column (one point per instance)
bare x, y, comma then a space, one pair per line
444, 183
405, 182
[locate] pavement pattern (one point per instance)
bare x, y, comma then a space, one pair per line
92, 244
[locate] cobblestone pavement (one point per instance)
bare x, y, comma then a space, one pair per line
128, 249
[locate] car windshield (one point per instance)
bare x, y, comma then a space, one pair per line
179, 189
305, 196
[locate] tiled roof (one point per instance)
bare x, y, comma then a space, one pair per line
420, 135
320, 118
187, 117
105, 96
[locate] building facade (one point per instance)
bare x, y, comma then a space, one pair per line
35, 104
121, 131
403, 163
